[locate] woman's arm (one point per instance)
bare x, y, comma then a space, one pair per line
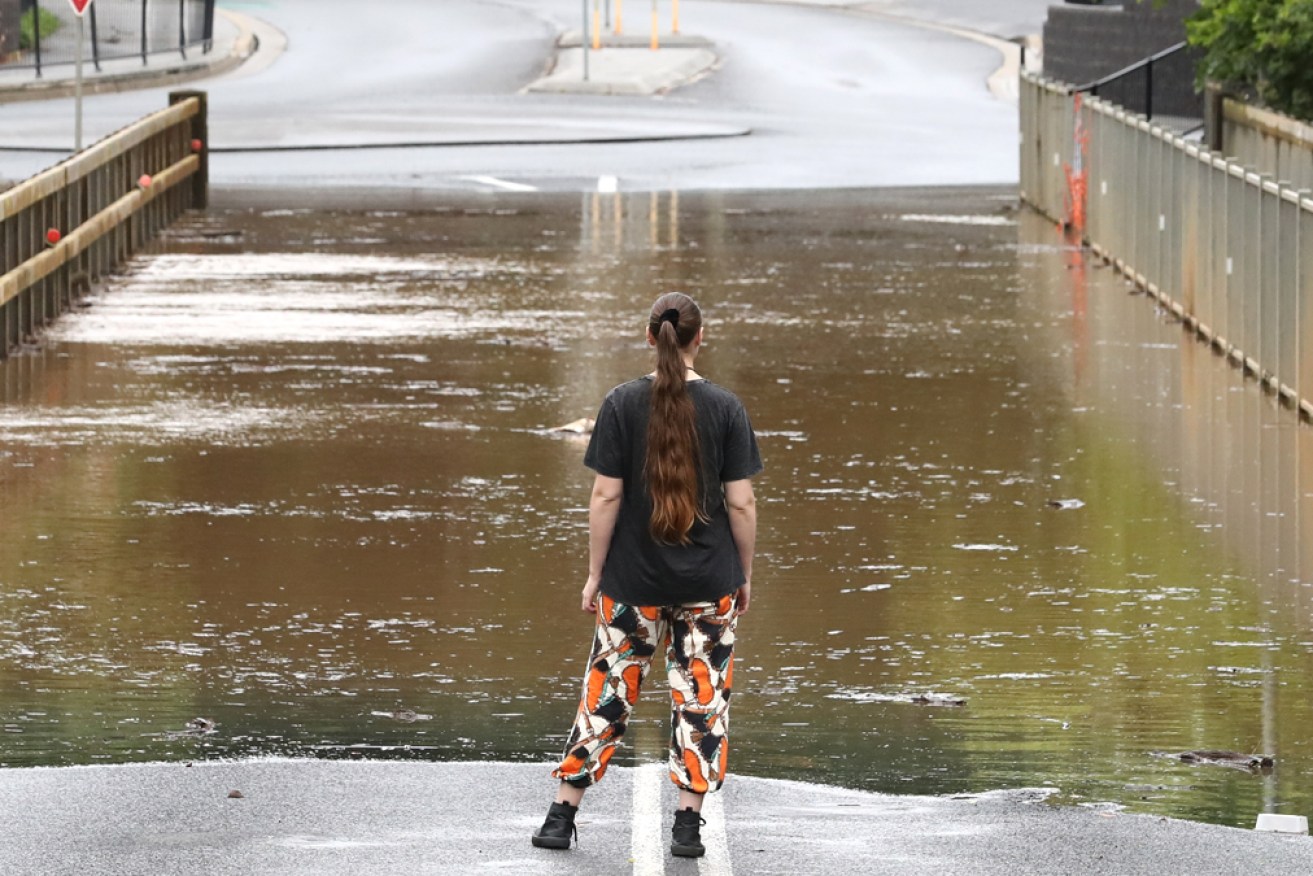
603, 508
742, 506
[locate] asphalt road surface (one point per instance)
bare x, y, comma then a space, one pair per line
834, 97
330, 817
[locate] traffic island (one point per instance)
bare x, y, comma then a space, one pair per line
627, 65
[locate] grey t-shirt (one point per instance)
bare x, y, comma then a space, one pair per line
640, 570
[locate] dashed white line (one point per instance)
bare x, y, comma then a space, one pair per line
716, 862
646, 846
505, 184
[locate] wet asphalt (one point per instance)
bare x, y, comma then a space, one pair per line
328, 817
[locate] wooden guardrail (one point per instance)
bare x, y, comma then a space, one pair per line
66, 227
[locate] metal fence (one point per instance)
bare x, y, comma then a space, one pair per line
115, 29
1227, 250
1267, 142
64, 228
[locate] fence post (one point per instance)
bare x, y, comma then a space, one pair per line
200, 131
95, 38
182, 28
36, 34
1148, 90
144, 44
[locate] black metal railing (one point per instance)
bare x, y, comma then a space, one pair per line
116, 29
1133, 87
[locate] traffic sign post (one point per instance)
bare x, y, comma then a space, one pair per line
79, 7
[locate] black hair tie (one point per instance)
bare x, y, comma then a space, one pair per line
671, 316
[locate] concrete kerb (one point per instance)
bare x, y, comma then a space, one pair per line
226, 55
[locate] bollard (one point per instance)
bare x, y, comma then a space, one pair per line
1273, 823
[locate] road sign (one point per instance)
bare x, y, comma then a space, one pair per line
79, 6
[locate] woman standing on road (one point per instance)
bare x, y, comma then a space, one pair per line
672, 525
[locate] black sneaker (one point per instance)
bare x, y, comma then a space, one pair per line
558, 828
686, 836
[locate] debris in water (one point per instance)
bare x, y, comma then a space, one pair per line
937, 699
920, 699
581, 426
1253, 762
1066, 504
405, 716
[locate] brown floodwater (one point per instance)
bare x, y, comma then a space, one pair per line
289, 473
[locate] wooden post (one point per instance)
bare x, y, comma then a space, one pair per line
200, 133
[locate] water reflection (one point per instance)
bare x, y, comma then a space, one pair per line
290, 473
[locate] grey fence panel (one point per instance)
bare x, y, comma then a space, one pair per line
1287, 300
1096, 171
1248, 266
1125, 186
1304, 319
1026, 108
1170, 194
1235, 259
1209, 219
1269, 258
1151, 262
1182, 229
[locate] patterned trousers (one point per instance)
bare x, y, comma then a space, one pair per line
698, 639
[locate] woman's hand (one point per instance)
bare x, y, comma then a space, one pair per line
744, 597
589, 603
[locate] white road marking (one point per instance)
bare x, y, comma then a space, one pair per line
646, 848
502, 184
716, 862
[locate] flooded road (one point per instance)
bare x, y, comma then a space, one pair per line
290, 474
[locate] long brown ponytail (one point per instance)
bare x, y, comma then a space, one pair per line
671, 467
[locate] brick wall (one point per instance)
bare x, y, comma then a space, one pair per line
1084, 43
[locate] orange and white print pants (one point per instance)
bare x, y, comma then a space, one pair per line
698, 639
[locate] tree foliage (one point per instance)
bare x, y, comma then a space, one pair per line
1261, 47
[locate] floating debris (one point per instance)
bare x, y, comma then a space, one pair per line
1258, 763
920, 699
1065, 504
581, 426
937, 699
405, 716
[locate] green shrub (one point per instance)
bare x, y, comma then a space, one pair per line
27, 27
1263, 48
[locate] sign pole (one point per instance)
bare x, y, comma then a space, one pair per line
583, 37
77, 87
79, 8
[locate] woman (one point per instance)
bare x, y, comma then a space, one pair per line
672, 525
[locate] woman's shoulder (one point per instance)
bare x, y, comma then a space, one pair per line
637, 386
628, 392
718, 394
